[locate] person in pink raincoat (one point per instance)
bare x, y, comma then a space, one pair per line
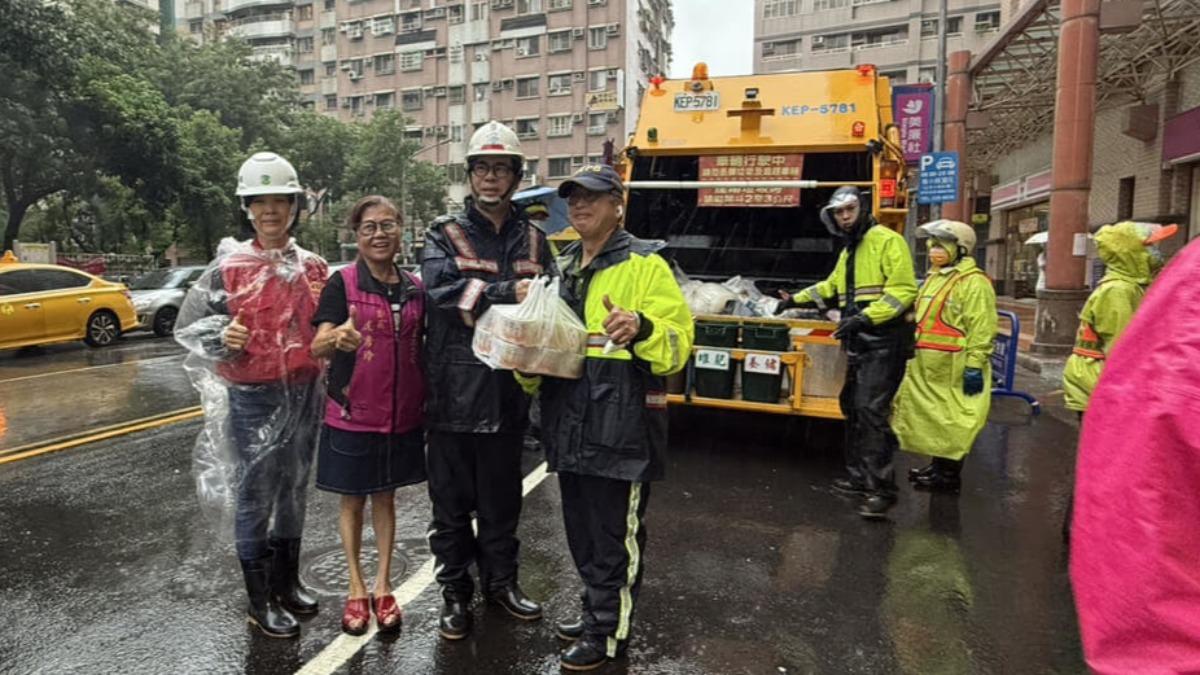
1135, 541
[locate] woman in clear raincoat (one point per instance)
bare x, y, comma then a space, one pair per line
945, 397
248, 326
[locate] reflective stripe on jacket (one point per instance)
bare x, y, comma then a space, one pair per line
384, 388
612, 422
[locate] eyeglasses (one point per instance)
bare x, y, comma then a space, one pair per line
578, 196
481, 170
368, 228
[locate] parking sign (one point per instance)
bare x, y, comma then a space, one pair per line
939, 178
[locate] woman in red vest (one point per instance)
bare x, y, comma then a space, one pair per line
370, 325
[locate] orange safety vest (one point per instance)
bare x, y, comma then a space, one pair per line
1088, 343
934, 333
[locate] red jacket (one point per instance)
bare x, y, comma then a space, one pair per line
276, 299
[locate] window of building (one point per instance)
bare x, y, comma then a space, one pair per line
410, 23
895, 76
527, 87
529, 6
598, 38
822, 5
774, 9
304, 13
330, 5
479, 11
880, 38
559, 4
1125, 192
411, 100
196, 26
927, 75
821, 43
413, 133
527, 128
385, 64
929, 27
560, 41
356, 67
560, 125
331, 102
531, 169
384, 25
987, 21
457, 95
410, 61
559, 85
597, 80
304, 45
456, 173
331, 69
456, 133
455, 14
308, 76
530, 46
954, 25
328, 36
597, 123
385, 101
781, 49
559, 167
481, 92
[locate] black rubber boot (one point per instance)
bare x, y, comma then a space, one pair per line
587, 653
849, 486
877, 505
914, 474
569, 630
285, 577
944, 478
273, 620
515, 602
454, 623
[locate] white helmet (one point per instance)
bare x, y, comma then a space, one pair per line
495, 140
266, 173
951, 230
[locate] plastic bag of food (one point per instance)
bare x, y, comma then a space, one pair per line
540, 336
711, 298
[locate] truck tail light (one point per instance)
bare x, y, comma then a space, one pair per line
889, 170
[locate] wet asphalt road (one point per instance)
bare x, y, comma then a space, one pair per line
50, 392
752, 565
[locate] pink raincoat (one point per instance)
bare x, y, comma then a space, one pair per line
1135, 541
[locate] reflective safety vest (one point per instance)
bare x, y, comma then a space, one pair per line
934, 333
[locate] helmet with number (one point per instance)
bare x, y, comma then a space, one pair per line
495, 140
952, 230
266, 173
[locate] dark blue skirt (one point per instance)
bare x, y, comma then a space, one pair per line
363, 463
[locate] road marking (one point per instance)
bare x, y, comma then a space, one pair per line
344, 646
157, 359
92, 435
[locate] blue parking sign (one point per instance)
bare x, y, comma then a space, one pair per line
939, 178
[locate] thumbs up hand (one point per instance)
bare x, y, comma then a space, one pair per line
236, 334
620, 325
346, 337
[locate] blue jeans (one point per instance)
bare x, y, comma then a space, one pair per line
273, 429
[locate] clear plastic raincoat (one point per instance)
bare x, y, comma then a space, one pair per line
956, 330
262, 404
1108, 309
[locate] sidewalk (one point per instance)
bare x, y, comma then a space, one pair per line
1026, 311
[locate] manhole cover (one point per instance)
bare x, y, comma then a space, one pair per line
328, 574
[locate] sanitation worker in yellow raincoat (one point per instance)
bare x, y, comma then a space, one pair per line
945, 397
1129, 252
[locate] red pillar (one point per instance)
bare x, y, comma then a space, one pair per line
1074, 137
958, 99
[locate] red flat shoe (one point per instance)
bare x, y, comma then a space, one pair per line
387, 612
356, 617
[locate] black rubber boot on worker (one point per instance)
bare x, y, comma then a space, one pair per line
877, 505
263, 612
849, 486
914, 474
454, 622
515, 602
943, 478
586, 653
569, 630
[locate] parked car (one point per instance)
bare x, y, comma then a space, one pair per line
158, 295
45, 304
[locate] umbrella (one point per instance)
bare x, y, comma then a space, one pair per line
1038, 239
548, 197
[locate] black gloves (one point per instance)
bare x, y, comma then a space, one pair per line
972, 381
851, 325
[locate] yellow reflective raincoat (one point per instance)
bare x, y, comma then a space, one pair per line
1108, 310
956, 330
883, 280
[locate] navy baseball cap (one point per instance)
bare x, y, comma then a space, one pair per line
593, 178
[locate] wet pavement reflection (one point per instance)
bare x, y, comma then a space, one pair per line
753, 566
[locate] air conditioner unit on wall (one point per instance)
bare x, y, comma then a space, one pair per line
818, 40
577, 118
597, 3
612, 73
613, 29
579, 76
577, 33
524, 50
497, 85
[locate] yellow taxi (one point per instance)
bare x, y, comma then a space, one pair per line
44, 304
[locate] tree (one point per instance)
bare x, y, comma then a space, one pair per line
384, 163
209, 160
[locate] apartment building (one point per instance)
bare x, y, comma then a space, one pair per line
899, 37
567, 75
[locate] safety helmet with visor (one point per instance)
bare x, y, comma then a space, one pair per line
847, 200
956, 239
266, 173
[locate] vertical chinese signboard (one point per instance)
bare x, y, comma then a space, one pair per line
912, 105
750, 168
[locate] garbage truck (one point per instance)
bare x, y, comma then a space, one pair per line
731, 172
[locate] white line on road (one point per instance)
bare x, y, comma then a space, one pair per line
156, 359
344, 647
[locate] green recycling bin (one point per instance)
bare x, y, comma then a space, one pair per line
714, 370
762, 374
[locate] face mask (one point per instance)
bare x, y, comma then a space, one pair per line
941, 253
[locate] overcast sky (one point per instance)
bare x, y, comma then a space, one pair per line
718, 32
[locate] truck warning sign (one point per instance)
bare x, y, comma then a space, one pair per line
750, 168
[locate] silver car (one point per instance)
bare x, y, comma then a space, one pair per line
158, 295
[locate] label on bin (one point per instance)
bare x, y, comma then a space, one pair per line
766, 364
712, 359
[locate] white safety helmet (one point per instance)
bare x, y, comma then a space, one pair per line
847, 195
495, 140
266, 173
951, 230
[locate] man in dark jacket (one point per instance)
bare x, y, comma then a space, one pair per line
476, 416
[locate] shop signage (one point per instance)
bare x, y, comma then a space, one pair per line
913, 107
1181, 138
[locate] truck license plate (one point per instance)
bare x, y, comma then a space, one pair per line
706, 102
712, 359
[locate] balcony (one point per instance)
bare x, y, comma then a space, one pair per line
234, 6
281, 55
258, 27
